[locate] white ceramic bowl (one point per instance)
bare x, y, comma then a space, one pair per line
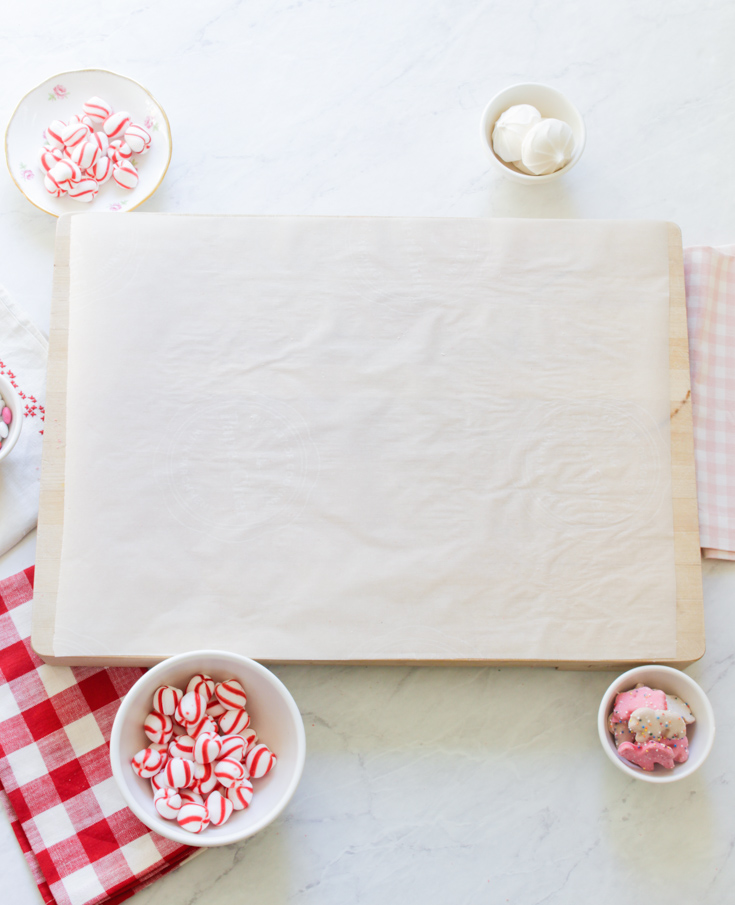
700, 734
12, 400
275, 717
58, 98
549, 102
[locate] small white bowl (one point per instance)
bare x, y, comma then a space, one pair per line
12, 400
275, 717
58, 98
549, 102
700, 734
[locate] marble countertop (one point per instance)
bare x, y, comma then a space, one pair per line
427, 784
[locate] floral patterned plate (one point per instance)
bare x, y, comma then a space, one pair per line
59, 97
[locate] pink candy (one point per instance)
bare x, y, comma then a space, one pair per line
198, 777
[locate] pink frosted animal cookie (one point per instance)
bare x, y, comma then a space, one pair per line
648, 755
680, 747
628, 701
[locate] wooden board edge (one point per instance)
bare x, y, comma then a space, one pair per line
690, 636
51, 499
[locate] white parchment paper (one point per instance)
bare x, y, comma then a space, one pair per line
347, 438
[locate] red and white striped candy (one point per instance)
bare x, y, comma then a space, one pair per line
97, 109
233, 746
231, 695
159, 782
201, 684
166, 698
179, 772
207, 748
168, 803
103, 143
163, 748
148, 762
249, 737
205, 724
193, 817
116, 124
74, 134
229, 772
48, 159
205, 780
65, 170
83, 119
86, 190
158, 727
259, 761
138, 138
85, 154
219, 808
234, 721
119, 151
215, 709
241, 795
53, 133
53, 187
102, 171
182, 746
126, 176
189, 796
192, 706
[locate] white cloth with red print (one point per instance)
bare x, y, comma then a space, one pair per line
23, 351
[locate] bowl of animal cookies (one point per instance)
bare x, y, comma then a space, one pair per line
656, 724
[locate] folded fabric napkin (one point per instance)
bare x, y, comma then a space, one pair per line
23, 351
82, 843
710, 292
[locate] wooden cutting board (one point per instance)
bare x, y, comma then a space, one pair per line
689, 620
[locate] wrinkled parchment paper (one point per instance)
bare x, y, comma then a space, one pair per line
364, 438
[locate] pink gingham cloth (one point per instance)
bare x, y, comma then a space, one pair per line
82, 843
710, 292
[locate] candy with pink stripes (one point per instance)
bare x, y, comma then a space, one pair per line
179, 772
126, 176
219, 808
192, 706
48, 159
205, 724
193, 817
229, 772
100, 140
249, 736
205, 780
85, 154
259, 761
207, 748
182, 746
234, 721
231, 695
148, 762
201, 684
101, 172
190, 796
138, 138
86, 190
158, 727
97, 109
66, 170
168, 803
53, 133
74, 134
241, 795
233, 746
166, 698
116, 124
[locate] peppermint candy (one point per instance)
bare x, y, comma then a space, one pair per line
231, 695
193, 817
219, 808
232, 722
148, 762
166, 698
179, 772
168, 803
191, 707
229, 772
241, 795
259, 760
158, 728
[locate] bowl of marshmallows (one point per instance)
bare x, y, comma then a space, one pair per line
532, 133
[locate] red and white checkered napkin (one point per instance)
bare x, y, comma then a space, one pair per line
710, 290
83, 844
